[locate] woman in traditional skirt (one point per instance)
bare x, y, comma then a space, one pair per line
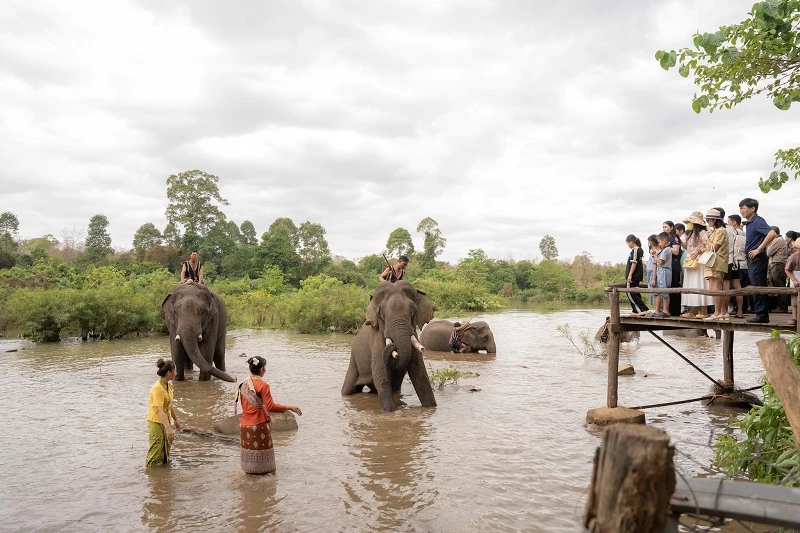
255, 429
160, 415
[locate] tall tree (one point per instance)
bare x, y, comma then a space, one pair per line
248, 233
192, 196
171, 235
400, 243
9, 223
277, 249
759, 55
286, 227
98, 241
145, 238
432, 243
9, 226
312, 248
548, 247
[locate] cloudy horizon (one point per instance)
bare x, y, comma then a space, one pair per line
502, 121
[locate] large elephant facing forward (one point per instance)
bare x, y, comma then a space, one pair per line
386, 347
197, 323
476, 335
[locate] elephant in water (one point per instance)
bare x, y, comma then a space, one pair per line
197, 323
476, 335
386, 347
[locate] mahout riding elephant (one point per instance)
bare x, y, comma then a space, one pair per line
197, 324
476, 335
386, 347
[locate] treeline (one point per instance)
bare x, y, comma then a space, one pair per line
287, 278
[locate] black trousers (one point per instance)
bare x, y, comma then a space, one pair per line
757, 272
675, 299
635, 299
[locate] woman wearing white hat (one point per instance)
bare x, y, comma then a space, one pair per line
693, 278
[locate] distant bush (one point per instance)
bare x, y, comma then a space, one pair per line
322, 304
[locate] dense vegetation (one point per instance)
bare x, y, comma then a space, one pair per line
286, 279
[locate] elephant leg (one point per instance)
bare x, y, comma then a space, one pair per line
397, 380
219, 354
380, 377
349, 385
420, 380
179, 358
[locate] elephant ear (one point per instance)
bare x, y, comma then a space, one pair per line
424, 309
169, 311
372, 313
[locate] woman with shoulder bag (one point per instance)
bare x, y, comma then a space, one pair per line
696, 239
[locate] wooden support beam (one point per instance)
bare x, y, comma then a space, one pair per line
727, 358
613, 349
785, 379
632, 482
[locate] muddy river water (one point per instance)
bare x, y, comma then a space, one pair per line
507, 448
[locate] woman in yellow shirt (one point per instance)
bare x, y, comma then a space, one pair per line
160, 415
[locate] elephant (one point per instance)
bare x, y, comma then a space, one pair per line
386, 347
197, 324
476, 335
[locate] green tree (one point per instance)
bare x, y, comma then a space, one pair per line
192, 196
9, 223
548, 247
312, 248
145, 238
98, 241
277, 249
757, 56
9, 226
433, 242
248, 233
286, 227
399, 243
171, 236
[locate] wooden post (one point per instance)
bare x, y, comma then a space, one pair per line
613, 350
632, 482
727, 358
785, 379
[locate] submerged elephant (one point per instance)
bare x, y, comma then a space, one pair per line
386, 347
476, 335
197, 322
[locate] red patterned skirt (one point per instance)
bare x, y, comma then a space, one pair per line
258, 457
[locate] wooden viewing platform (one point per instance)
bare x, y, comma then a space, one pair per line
619, 324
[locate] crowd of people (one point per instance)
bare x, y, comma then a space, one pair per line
713, 252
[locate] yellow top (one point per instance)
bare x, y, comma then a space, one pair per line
160, 397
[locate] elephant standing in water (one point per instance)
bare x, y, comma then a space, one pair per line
387, 347
197, 323
476, 335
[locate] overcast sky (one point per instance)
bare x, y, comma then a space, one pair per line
502, 120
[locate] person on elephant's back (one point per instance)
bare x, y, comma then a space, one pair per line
257, 455
396, 272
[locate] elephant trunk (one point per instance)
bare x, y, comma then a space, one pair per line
401, 355
193, 351
491, 347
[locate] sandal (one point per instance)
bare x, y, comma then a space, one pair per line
690, 315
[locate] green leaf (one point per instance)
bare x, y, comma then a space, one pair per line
660, 54
683, 70
696, 105
784, 177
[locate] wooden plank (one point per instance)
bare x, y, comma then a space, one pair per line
785, 379
742, 500
727, 357
613, 350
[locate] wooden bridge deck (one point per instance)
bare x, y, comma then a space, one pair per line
780, 321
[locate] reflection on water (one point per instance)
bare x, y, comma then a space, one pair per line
506, 449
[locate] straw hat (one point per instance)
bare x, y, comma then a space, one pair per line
695, 218
713, 213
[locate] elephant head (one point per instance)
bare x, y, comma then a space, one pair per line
396, 310
196, 320
478, 336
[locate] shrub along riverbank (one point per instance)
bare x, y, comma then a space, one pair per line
49, 298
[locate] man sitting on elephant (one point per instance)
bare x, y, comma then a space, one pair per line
455, 341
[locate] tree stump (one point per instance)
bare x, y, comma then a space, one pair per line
785, 379
632, 482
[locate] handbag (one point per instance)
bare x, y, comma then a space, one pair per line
691, 263
707, 258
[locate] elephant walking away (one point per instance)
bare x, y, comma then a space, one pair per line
386, 347
197, 323
476, 335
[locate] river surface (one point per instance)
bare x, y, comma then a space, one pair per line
507, 448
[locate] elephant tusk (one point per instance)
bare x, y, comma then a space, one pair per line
200, 338
388, 341
394, 355
416, 343
177, 338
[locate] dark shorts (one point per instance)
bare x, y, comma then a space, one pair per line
455, 346
731, 273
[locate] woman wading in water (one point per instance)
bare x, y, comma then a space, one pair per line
160, 415
255, 429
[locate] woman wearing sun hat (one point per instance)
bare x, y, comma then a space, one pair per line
257, 455
693, 278
715, 272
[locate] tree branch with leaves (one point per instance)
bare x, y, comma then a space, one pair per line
757, 56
